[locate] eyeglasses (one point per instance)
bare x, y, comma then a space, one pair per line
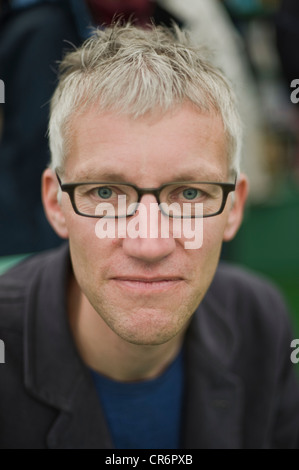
203, 199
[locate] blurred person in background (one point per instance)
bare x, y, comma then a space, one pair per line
31, 41
287, 27
287, 32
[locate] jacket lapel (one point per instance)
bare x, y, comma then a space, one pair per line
54, 372
83, 426
213, 404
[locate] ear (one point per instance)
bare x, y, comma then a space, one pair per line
52, 207
236, 211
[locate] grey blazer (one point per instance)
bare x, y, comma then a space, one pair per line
241, 390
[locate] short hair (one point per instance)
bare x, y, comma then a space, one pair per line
135, 71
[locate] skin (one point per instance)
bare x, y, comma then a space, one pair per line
130, 300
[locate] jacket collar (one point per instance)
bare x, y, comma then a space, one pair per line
213, 405
56, 375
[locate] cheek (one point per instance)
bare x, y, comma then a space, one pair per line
205, 259
87, 250
82, 231
204, 236
202, 262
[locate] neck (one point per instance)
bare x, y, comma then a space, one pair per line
106, 352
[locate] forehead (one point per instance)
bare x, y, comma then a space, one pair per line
182, 143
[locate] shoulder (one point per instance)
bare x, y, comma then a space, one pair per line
243, 322
234, 281
24, 280
21, 274
245, 299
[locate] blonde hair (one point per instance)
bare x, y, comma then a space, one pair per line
134, 71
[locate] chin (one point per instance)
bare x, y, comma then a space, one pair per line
149, 330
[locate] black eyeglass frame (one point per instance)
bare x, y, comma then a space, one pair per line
69, 188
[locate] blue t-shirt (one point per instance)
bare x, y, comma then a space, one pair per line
146, 414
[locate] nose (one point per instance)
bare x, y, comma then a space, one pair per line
144, 239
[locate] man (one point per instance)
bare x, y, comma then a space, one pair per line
127, 336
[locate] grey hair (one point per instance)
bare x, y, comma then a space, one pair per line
134, 71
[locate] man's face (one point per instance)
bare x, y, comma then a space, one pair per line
145, 289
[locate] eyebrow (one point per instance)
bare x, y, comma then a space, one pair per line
92, 176
203, 175
120, 177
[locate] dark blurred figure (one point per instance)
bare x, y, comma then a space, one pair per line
31, 41
287, 26
287, 35
103, 11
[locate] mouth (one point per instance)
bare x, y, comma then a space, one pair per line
147, 284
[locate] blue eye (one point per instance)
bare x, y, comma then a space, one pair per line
190, 193
105, 192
